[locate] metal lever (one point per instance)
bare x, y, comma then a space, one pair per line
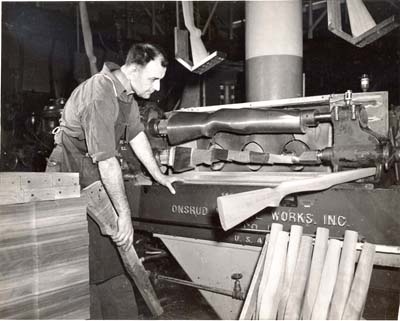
238, 295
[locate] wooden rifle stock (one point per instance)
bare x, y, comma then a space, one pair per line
236, 208
199, 51
101, 210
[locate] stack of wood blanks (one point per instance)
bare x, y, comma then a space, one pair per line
44, 257
302, 277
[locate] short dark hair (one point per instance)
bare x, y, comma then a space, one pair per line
142, 53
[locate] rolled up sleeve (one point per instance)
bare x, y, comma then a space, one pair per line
98, 123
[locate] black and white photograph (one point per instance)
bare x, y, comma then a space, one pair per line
200, 160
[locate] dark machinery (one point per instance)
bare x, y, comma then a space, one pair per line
220, 150
330, 133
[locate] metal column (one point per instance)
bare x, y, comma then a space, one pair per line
274, 58
274, 49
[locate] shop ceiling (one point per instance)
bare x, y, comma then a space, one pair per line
218, 20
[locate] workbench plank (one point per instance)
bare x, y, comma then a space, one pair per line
11, 197
27, 187
35, 180
9, 182
65, 179
32, 180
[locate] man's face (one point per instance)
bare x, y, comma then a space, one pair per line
145, 80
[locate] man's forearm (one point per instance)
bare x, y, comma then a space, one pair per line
142, 148
111, 176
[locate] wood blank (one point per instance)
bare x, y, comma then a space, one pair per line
270, 294
273, 237
296, 232
249, 307
327, 282
295, 300
317, 264
345, 275
359, 288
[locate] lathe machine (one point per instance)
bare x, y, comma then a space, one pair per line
227, 149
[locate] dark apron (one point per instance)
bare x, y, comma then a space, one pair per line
69, 155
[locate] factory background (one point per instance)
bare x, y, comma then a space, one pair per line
44, 58
44, 38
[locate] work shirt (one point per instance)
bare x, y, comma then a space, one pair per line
99, 113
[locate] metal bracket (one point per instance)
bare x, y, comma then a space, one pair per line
182, 54
335, 26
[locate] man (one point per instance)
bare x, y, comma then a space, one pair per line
101, 111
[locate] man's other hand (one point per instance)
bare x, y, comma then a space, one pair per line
124, 236
167, 182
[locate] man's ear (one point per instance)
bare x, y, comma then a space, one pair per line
132, 68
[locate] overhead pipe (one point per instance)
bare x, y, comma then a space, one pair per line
153, 18
209, 18
177, 14
87, 37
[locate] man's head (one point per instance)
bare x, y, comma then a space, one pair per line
145, 66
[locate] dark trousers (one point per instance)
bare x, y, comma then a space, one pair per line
113, 299
111, 291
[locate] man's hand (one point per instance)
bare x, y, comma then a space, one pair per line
167, 181
141, 146
124, 237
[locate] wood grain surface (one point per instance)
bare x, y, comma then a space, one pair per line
44, 257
